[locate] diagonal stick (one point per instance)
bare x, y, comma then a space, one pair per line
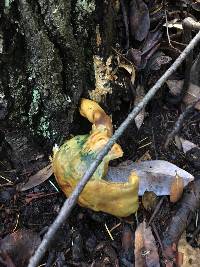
71, 201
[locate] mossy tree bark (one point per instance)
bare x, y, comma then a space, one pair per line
46, 62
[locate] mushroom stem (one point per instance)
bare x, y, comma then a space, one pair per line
96, 115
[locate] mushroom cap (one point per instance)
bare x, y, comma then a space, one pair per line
72, 160
75, 156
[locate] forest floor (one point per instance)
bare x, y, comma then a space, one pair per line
95, 239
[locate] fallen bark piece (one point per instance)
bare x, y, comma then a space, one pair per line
154, 175
190, 202
146, 253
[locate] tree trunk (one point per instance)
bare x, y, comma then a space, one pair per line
48, 52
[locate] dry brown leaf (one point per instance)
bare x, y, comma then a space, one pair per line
36, 179
146, 253
175, 86
145, 156
176, 189
193, 94
20, 246
138, 97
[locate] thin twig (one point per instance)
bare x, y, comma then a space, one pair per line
167, 27
157, 235
168, 37
179, 122
157, 208
71, 201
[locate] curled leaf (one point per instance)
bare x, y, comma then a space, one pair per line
36, 179
130, 69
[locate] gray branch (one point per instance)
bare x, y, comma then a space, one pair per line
71, 201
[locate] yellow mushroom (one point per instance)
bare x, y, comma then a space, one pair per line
75, 156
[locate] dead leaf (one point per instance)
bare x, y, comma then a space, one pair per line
175, 86
129, 68
157, 60
134, 55
146, 252
138, 97
139, 19
153, 38
155, 175
176, 190
36, 179
145, 156
20, 246
149, 200
187, 145
191, 255
193, 94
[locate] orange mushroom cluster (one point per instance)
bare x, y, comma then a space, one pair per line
75, 156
